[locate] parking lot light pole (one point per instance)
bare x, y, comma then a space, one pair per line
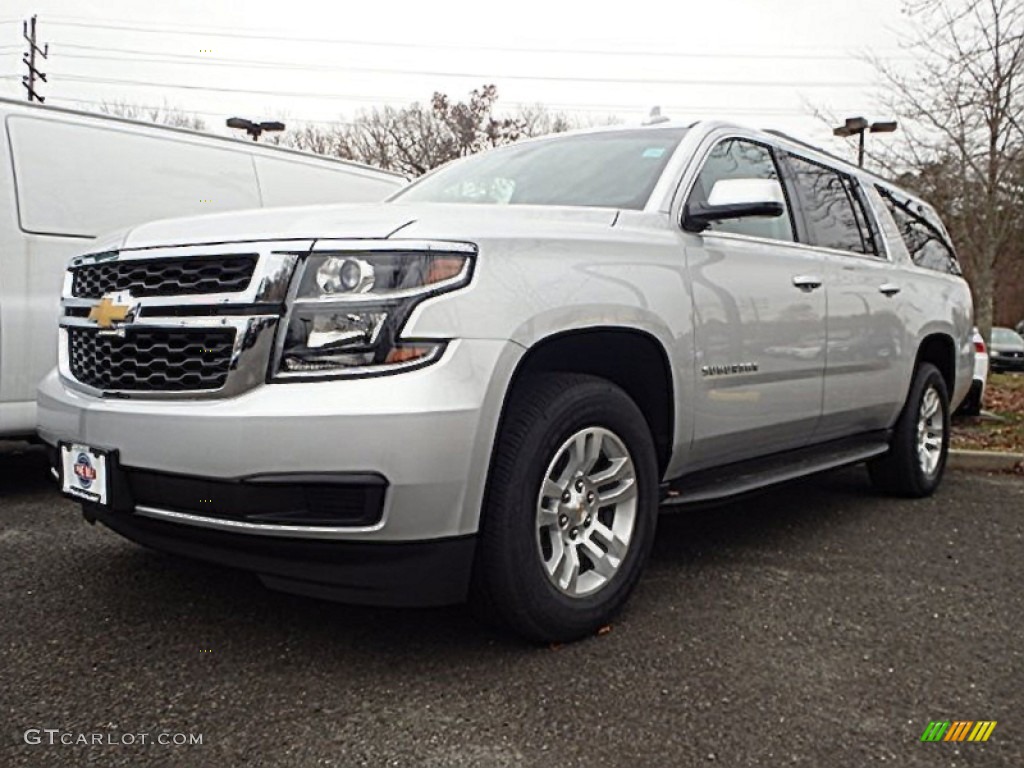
858, 126
252, 128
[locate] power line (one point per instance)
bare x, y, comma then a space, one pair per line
171, 56
269, 35
282, 65
492, 76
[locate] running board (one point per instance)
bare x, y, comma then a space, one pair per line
746, 476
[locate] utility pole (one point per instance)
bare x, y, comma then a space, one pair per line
28, 31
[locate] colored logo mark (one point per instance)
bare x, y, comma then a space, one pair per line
84, 470
108, 311
958, 730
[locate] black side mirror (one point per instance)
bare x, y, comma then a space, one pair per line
735, 199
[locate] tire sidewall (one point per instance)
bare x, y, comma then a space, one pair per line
593, 404
928, 376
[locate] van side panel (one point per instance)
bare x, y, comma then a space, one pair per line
83, 180
302, 183
12, 281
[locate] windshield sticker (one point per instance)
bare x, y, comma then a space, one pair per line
654, 152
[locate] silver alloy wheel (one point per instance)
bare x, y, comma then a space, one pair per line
586, 511
930, 431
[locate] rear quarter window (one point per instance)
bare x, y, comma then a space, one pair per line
922, 232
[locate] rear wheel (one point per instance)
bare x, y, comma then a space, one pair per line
916, 459
571, 508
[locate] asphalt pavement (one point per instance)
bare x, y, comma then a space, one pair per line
816, 625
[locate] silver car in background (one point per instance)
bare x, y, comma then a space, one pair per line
488, 386
1006, 352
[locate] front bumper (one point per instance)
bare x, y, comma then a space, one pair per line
424, 573
1003, 364
425, 434
428, 433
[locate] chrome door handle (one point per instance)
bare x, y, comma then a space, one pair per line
889, 289
807, 282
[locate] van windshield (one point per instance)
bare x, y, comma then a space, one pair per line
610, 169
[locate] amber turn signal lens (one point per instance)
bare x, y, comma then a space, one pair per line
405, 354
444, 268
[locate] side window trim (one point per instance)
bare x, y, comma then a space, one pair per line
860, 213
773, 152
867, 229
905, 206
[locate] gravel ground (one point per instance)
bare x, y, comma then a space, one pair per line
815, 625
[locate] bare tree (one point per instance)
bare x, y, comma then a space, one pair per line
416, 138
538, 120
165, 115
962, 109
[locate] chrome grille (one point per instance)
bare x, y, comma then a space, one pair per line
151, 359
165, 277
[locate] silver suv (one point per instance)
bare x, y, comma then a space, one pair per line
487, 386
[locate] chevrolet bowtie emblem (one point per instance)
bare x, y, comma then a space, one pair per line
107, 312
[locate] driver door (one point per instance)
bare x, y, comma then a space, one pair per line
759, 322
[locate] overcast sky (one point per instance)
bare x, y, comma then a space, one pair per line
765, 63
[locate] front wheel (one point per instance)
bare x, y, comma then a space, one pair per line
916, 459
571, 508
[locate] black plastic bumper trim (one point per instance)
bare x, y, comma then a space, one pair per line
421, 573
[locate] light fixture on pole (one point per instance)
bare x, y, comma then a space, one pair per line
252, 128
858, 126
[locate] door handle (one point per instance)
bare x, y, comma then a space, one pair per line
889, 289
807, 283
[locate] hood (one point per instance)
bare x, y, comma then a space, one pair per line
369, 221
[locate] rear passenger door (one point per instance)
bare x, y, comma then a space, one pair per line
864, 385
759, 322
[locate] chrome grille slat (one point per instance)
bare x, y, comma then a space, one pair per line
165, 277
152, 359
156, 351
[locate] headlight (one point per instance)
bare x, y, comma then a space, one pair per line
349, 308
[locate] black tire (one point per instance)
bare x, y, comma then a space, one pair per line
900, 471
510, 586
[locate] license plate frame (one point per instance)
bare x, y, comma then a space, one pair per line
85, 472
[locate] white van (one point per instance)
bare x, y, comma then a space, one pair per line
67, 176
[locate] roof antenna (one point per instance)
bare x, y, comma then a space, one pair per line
656, 117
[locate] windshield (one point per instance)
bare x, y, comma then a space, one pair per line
611, 169
1006, 336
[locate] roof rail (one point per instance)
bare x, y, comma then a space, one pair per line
802, 143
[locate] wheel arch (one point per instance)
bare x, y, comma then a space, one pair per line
633, 359
939, 349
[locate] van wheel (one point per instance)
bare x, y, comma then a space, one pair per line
571, 509
916, 458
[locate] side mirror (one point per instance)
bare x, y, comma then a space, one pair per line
736, 199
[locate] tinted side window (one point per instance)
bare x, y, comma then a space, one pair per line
738, 159
922, 233
832, 208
